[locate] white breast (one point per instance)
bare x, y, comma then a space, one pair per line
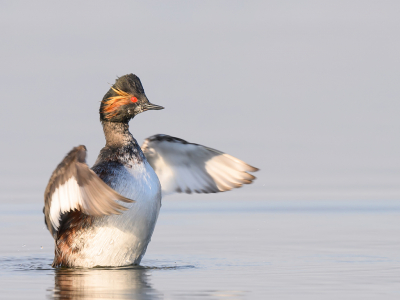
119, 240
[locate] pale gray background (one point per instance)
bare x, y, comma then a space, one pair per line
305, 90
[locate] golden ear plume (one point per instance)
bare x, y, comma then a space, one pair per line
111, 104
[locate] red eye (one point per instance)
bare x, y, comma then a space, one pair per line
134, 99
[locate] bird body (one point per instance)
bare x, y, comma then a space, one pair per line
119, 240
123, 239
105, 216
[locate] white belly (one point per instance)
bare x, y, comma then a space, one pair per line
120, 240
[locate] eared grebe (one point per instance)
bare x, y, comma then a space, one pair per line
105, 216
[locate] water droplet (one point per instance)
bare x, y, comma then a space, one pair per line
23, 245
101, 251
111, 242
41, 247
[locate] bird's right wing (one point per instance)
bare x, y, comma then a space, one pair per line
184, 167
73, 186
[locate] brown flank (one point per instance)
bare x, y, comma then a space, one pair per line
69, 240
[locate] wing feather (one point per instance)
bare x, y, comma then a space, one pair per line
186, 167
73, 186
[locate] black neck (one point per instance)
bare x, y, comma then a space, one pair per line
121, 146
117, 134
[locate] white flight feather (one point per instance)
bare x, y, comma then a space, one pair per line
65, 198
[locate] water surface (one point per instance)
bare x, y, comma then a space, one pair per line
221, 249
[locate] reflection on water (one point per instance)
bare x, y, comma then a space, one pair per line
132, 283
129, 282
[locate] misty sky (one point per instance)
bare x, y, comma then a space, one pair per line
308, 91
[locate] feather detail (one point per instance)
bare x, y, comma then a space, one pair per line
74, 187
185, 167
111, 105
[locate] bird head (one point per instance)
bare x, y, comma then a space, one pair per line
124, 100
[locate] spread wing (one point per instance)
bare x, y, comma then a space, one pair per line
73, 186
184, 167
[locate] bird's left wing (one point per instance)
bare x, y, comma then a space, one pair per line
184, 167
73, 186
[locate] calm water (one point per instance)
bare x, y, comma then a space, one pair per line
220, 249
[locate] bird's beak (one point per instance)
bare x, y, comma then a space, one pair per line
150, 106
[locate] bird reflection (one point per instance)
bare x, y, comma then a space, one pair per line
104, 283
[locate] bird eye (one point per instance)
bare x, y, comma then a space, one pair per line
134, 99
